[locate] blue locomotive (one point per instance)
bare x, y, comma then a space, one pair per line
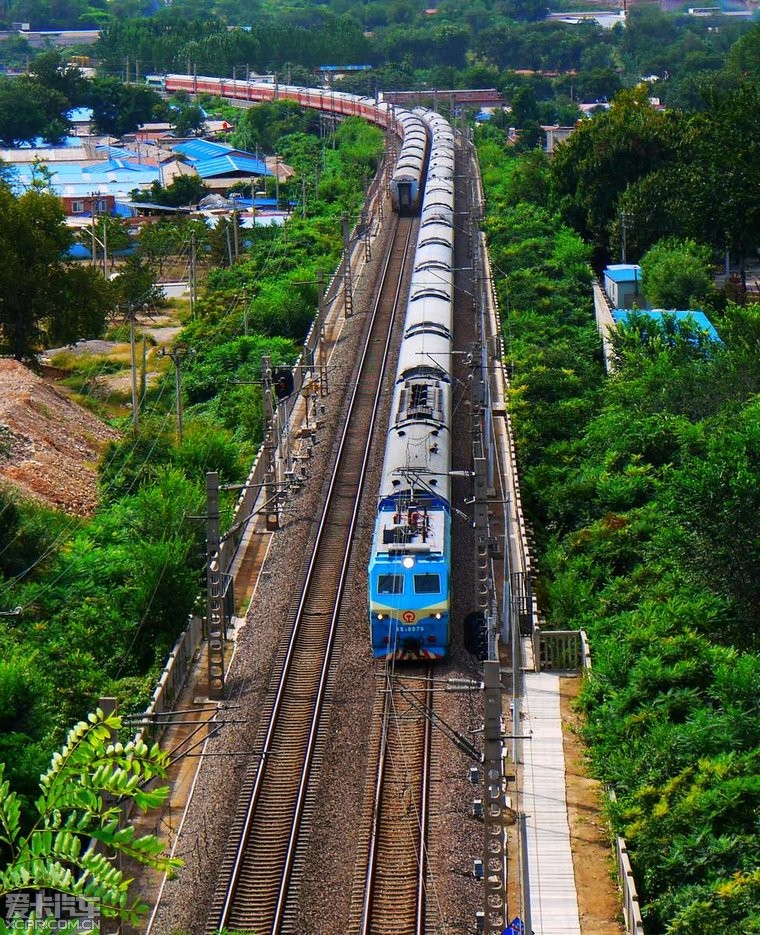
410, 561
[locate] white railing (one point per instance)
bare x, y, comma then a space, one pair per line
631, 911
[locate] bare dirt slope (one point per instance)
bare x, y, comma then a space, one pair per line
49, 446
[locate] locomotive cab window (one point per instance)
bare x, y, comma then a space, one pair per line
427, 584
405, 194
390, 584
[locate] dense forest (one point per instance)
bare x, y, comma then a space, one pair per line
544, 68
642, 484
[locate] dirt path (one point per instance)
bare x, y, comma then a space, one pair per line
599, 902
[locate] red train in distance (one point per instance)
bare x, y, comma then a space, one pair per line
334, 102
407, 183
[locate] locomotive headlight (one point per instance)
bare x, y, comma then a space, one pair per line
437, 616
408, 561
381, 616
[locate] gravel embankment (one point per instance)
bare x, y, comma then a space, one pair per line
329, 858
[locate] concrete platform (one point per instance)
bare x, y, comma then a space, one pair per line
553, 896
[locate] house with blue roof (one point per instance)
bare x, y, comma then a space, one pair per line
220, 166
620, 295
622, 283
81, 185
693, 316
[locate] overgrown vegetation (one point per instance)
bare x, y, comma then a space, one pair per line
104, 599
643, 489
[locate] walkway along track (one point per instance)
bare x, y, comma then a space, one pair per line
257, 872
389, 885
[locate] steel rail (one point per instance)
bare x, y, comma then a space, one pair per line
299, 624
422, 868
378, 811
346, 558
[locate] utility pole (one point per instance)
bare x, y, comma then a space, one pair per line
236, 231
214, 608
496, 815
270, 447
93, 203
192, 274
178, 354
321, 343
623, 224
367, 222
348, 286
105, 250
130, 314
277, 181
144, 371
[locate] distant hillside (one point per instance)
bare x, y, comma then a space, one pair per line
49, 446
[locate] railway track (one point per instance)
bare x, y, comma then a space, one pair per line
390, 883
257, 878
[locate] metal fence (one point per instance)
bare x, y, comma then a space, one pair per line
180, 659
174, 675
559, 650
634, 924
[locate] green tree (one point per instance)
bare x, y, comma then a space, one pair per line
182, 191
262, 127
28, 110
51, 71
607, 154
677, 274
168, 238
109, 231
529, 10
42, 297
119, 108
135, 284
721, 170
188, 119
79, 815
524, 107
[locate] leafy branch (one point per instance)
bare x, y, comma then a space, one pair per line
79, 821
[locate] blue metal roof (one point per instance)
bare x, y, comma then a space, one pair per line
260, 202
117, 152
227, 164
80, 114
114, 165
114, 177
699, 318
201, 150
68, 142
623, 272
203, 153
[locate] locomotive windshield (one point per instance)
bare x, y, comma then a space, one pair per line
390, 584
427, 584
